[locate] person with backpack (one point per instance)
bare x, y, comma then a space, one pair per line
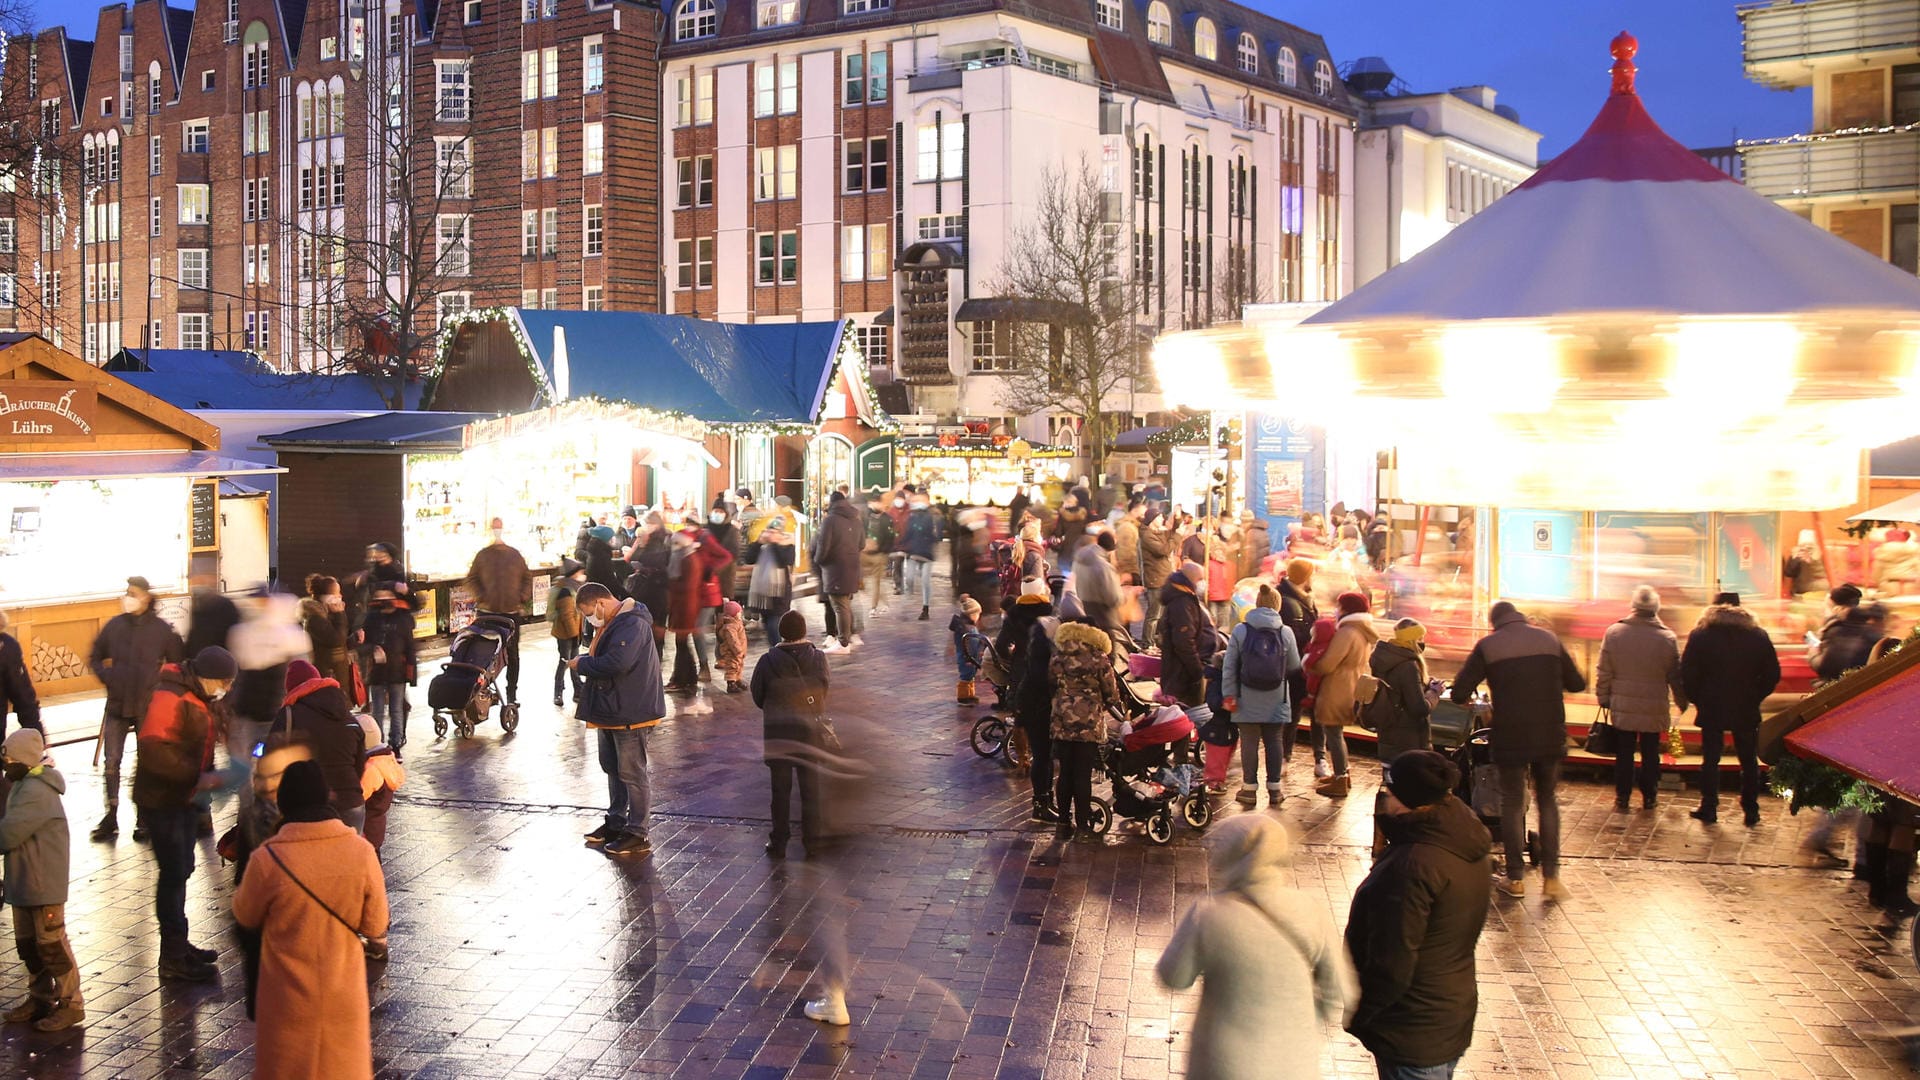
564, 622
1254, 685
876, 555
917, 542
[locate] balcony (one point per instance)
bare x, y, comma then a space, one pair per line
1808, 168
1783, 40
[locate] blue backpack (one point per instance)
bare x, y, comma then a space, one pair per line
1263, 659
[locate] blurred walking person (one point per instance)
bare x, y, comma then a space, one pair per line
790, 688
127, 658
502, 585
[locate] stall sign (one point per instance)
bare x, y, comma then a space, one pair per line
461, 608
426, 612
47, 411
1749, 554
1539, 559
204, 502
1286, 468
542, 585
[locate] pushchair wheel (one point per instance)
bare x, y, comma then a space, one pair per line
439, 724
1160, 827
1102, 816
989, 736
509, 718
1195, 810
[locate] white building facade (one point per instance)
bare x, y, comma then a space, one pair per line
847, 158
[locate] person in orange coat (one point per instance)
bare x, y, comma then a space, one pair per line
311, 892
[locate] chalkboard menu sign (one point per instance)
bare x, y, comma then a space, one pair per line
205, 502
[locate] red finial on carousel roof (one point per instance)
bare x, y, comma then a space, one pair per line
1623, 47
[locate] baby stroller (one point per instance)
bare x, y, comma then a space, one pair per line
1153, 778
465, 691
1479, 786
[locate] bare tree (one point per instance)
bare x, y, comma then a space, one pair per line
1236, 283
40, 154
376, 263
1080, 343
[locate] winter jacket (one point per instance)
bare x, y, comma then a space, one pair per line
35, 841
1084, 686
1844, 645
382, 772
1349, 655
1126, 550
209, 620
1272, 969
1069, 525
500, 580
1412, 930
1804, 570
1728, 669
836, 551
16, 686
327, 629
1187, 642
392, 632
1223, 567
564, 620
604, 569
1260, 706
1530, 674
1318, 640
1094, 579
175, 743
319, 720
881, 533
1255, 546
137, 646
1400, 713
651, 584
696, 587
921, 535
622, 669
790, 688
1016, 629
312, 1015
1156, 556
727, 535
730, 644
1033, 694
1639, 665
1194, 548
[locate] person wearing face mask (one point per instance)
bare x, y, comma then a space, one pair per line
898, 510
383, 568
720, 525
624, 702
174, 764
389, 659
323, 615
127, 657
37, 847
502, 585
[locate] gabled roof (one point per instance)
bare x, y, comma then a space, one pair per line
179, 37
78, 58
722, 373
1869, 732
293, 19
417, 432
232, 380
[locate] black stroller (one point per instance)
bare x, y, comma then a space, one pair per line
464, 693
1480, 786
1153, 776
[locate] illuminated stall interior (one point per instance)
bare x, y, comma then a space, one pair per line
980, 470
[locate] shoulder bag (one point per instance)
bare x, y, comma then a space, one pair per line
1603, 739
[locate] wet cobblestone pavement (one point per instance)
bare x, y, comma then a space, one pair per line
981, 948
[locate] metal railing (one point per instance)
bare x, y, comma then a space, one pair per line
1834, 165
1772, 32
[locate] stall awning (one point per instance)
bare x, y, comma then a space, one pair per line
1870, 735
394, 432
1135, 438
1901, 509
1017, 309
24, 468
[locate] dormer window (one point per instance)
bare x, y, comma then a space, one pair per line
1107, 13
1286, 67
693, 19
1206, 43
777, 13
1159, 24
1248, 55
1322, 78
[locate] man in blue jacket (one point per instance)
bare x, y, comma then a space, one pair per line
624, 700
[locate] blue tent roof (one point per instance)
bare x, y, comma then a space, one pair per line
227, 379
413, 431
723, 373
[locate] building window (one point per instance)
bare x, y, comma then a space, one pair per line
1286, 67
776, 172
1322, 78
1248, 55
449, 304
1107, 13
255, 65
155, 155
1159, 23
866, 78
777, 88
872, 342
593, 65
206, 80
254, 137
193, 268
779, 258
549, 232
7, 290
694, 178
593, 150
859, 7
153, 94
941, 227
549, 151
593, 298
194, 204
153, 216
943, 150
8, 236
193, 330
454, 257
453, 170
992, 346
694, 262
866, 165
257, 324
193, 136
529, 233
864, 254
595, 230
694, 19
452, 100
777, 12
1206, 44
539, 74
473, 12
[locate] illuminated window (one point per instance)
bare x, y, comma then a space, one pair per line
1205, 43
1159, 24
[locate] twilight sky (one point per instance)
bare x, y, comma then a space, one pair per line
1547, 58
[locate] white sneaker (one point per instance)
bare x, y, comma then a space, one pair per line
833, 647
1322, 770
854, 642
881, 610
831, 1009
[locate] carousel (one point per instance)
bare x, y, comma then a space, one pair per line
1627, 370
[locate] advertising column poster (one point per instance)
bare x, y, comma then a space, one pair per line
1286, 470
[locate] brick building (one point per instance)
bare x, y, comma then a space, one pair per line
278, 175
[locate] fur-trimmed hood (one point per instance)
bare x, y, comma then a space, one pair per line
1727, 615
1074, 636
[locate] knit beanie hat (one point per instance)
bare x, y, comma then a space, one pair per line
300, 673
26, 746
1726, 599
371, 730
1421, 778
1300, 572
1646, 600
1844, 595
971, 606
215, 664
1409, 633
303, 793
1193, 572
793, 626
1353, 603
1034, 586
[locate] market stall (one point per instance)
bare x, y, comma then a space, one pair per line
100, 480
980, 470
1627, 370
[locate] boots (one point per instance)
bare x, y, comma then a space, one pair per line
965, 693
1893, 898
109, 826
1043, 810
1274, 796
1248, 796
923, 615
1334, 787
